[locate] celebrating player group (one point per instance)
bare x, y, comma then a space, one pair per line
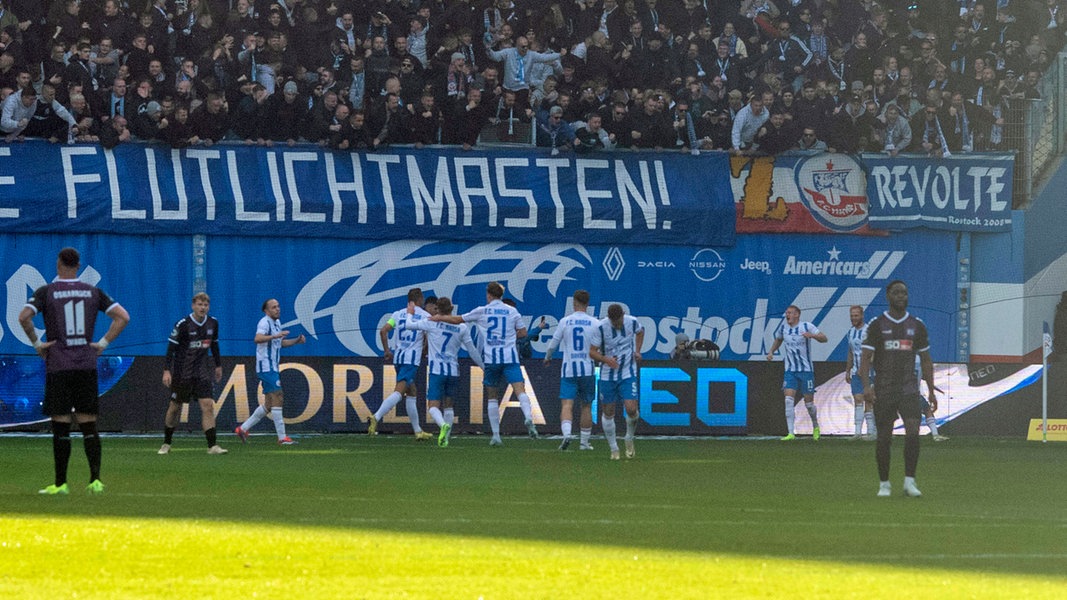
607, 349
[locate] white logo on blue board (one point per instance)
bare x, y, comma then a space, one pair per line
707, 264
614, 264
411, 264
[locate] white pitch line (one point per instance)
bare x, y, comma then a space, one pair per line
957, 521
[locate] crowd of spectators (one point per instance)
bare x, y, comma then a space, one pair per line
748, 76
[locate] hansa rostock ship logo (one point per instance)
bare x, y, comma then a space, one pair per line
834, 190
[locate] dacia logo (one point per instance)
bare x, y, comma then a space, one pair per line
655, 264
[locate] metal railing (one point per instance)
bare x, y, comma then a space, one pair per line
1036, 130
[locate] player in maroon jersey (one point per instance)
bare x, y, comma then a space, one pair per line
68, 307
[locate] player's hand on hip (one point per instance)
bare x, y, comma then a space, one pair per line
166, 378
42, 348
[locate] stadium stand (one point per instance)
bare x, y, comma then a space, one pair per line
302, 71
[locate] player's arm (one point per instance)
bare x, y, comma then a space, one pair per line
774, 348
26, 320
216, 353
453, 319
468, 345
173, 343
866, 357
383, 335
294, 341
816, 335
557, 339
597, 356
849, 360
639, 342
119, 320
927, 365
263, 337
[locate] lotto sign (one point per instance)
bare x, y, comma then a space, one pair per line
1057, 430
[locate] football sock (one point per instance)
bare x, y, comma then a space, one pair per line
608, 423
631, 425
881, 454
450, 416
60, 450
813, 412
869, 417
279, 421
911, 454
256, 417
210, 435
91, 440
435, 414
859, 416
931, 422
387, 405
566, 427
168, 435
524, 404
790, 413
493, 408
412, 405
585, 435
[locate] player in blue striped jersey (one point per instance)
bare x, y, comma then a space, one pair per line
864, 411
577, 380
500, 325
270, 338
443, 342
406, 354
616, 343
796, 336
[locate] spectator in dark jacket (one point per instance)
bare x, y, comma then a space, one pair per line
287, 115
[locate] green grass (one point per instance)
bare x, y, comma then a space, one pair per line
359, 517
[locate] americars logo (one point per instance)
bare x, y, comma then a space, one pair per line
880, 265
835, 193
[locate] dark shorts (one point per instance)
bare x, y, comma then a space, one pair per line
887, 408
190, 390
66, 391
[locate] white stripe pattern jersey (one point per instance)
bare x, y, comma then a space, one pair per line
795, 347
268, 354
619, 343
855, 337
407, 342
444, 341
572, 336
498, 323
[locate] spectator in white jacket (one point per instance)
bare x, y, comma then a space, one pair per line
17, 112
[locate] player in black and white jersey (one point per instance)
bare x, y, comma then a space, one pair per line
69, 307
894, 338
190, 374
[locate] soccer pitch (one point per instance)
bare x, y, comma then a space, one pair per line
347, 516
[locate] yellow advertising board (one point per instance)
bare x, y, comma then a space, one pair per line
1057, 430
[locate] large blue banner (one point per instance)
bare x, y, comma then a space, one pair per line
960, 193
339, 292
527, 195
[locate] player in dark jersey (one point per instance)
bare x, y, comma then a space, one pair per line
69, 308
189, 374
893, 340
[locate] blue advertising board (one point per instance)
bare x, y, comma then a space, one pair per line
630, 198
958, 193
338, 292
